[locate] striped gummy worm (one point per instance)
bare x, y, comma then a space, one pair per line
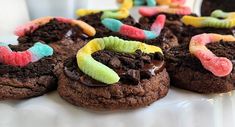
227, 21
134, 32
33, 54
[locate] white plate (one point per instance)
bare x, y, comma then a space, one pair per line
179, 108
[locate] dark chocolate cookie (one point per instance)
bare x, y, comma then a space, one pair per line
32, 80
187, 72
40, 77
139, 85
166, 39
210, 5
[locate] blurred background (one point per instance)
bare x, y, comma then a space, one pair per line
16, 12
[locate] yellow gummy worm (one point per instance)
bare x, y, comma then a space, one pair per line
99, 71
89, 30
121, 13
228, 20
84, 12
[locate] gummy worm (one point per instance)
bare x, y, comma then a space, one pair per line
33, 25
121, 13
133, 32
171, 2
151, 11
142, 2
99, 71
214, 20
33, 54
219, 66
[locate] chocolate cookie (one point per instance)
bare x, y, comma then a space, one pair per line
143, 80
35, 79
210, 5
165, 40
39, 77
187, 72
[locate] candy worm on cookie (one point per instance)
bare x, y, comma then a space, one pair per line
134, 32
121, 13
219, 66
38, 50
218, 19
33, 25
101, 72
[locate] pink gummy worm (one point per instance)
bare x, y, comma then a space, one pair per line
14, 58
179, 1
132, 32
158, 24
219, 66
151, 11
64, 20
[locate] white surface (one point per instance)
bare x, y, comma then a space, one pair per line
178, 109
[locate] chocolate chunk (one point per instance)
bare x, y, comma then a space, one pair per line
145, 74
74, 75
134, 75
102, 57
115, 63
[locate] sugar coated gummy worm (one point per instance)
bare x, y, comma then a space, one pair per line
151, 11
99, 71
133, 32
219, 66
33, 54
218, 19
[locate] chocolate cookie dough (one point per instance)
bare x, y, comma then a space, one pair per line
187, 72
143, 80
